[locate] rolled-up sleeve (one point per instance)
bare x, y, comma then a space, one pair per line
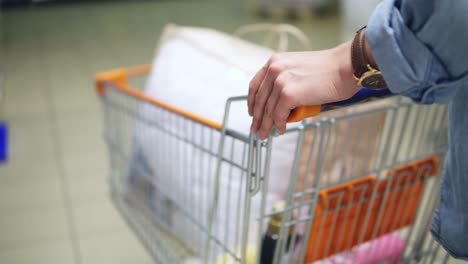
420, 47
408, 64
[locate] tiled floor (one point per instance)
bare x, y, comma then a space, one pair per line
54, 205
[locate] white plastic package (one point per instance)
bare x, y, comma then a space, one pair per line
197, 70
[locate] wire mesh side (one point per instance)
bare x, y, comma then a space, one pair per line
166, 165
375, 146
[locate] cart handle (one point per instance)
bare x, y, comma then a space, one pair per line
363, 95
119, 80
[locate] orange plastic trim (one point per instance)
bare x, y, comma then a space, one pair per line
303, 112
138, 70
119, 80
117, 77
360, 210
341, 194
427, 167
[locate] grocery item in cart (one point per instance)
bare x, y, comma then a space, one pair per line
192, 75
385, 249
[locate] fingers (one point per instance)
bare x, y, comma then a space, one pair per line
283, 105
261, 98
253, 87
265, 100
268, 122
283, 109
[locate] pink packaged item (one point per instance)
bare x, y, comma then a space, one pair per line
385, 249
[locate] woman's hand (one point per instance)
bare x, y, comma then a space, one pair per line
290, 80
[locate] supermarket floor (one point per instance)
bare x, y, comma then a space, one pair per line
54, 200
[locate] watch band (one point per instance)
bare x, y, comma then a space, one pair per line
359, 59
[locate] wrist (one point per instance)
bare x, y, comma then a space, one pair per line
348, 83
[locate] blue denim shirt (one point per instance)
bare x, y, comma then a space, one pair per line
421, 47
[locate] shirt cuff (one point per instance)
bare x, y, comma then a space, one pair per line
408, 65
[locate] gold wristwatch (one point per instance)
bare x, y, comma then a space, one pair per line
366, 73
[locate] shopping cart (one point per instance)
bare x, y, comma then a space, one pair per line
376, 209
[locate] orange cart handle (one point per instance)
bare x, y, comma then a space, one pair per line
363, 95
120, 77
303, 112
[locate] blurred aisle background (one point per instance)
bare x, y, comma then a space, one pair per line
54, 198
54, 202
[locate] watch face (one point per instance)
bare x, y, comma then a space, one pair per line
374, 81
